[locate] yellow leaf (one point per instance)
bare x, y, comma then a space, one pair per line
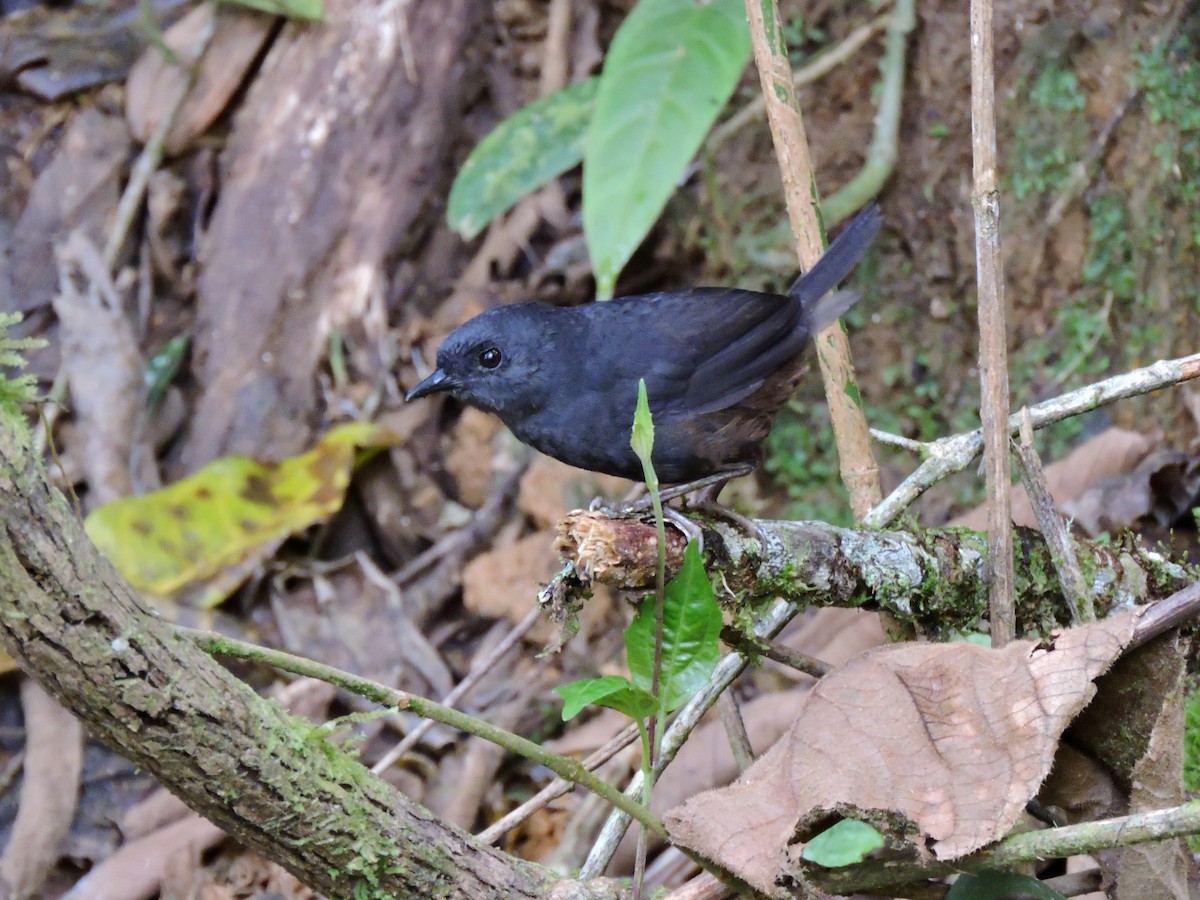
204, 535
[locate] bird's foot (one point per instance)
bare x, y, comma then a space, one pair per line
710, 485
705, 500
690, 530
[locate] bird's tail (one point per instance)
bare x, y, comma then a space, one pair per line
820, 315
834, 265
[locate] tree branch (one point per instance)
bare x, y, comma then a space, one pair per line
934, 579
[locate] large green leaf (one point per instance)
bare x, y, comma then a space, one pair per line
669, 71
535, 144
691, 635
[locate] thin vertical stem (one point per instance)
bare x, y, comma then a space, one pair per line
860, 472
993, 358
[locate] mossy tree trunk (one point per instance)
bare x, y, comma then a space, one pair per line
266, 777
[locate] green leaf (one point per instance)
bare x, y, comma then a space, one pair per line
612, 691
309, 10
642, 440
993, 885
535, 144
691, 635
844, 844
669, 71
161, 370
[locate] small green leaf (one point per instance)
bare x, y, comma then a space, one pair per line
309, 10
642, 440
669, 71
535, 144
612, 691
844, 844
691, 635
161, 370
992, 885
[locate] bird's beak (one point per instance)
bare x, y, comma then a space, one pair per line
436, 383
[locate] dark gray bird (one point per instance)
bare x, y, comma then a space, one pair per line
719, 364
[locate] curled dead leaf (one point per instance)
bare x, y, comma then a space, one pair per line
155, 83
950, 739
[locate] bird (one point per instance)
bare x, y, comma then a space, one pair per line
718, 363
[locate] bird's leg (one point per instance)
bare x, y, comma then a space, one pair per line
705, 499
719, 479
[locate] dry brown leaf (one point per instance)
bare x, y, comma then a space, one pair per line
154, 84
504, 583
706, 761
105, 372
472, 454
1134, 732
550, 489
152, 813
49, 793
368, 630
77, 191
1160, 869
1160, 490
835, 634
953, 739
137, 869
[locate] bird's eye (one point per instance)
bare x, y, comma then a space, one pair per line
490, 358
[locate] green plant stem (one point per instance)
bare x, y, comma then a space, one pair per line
652, 742
219, 645
881, 154
1051, 843
660, 581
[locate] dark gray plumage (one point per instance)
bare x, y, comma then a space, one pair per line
719, 363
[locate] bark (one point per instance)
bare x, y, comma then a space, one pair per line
337, 161
269, 779
934, 579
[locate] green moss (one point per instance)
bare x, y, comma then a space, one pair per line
1050, 134
1191, 743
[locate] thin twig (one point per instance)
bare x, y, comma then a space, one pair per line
953, 454
148, 161
1053, 528
219, 645
735, 730
993, 352
859, 470
780, 653
1050, 843
815, 70
479, 668
897, 440
558, 786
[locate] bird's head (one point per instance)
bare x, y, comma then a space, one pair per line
496, 361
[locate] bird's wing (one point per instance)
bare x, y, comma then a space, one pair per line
706, 348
